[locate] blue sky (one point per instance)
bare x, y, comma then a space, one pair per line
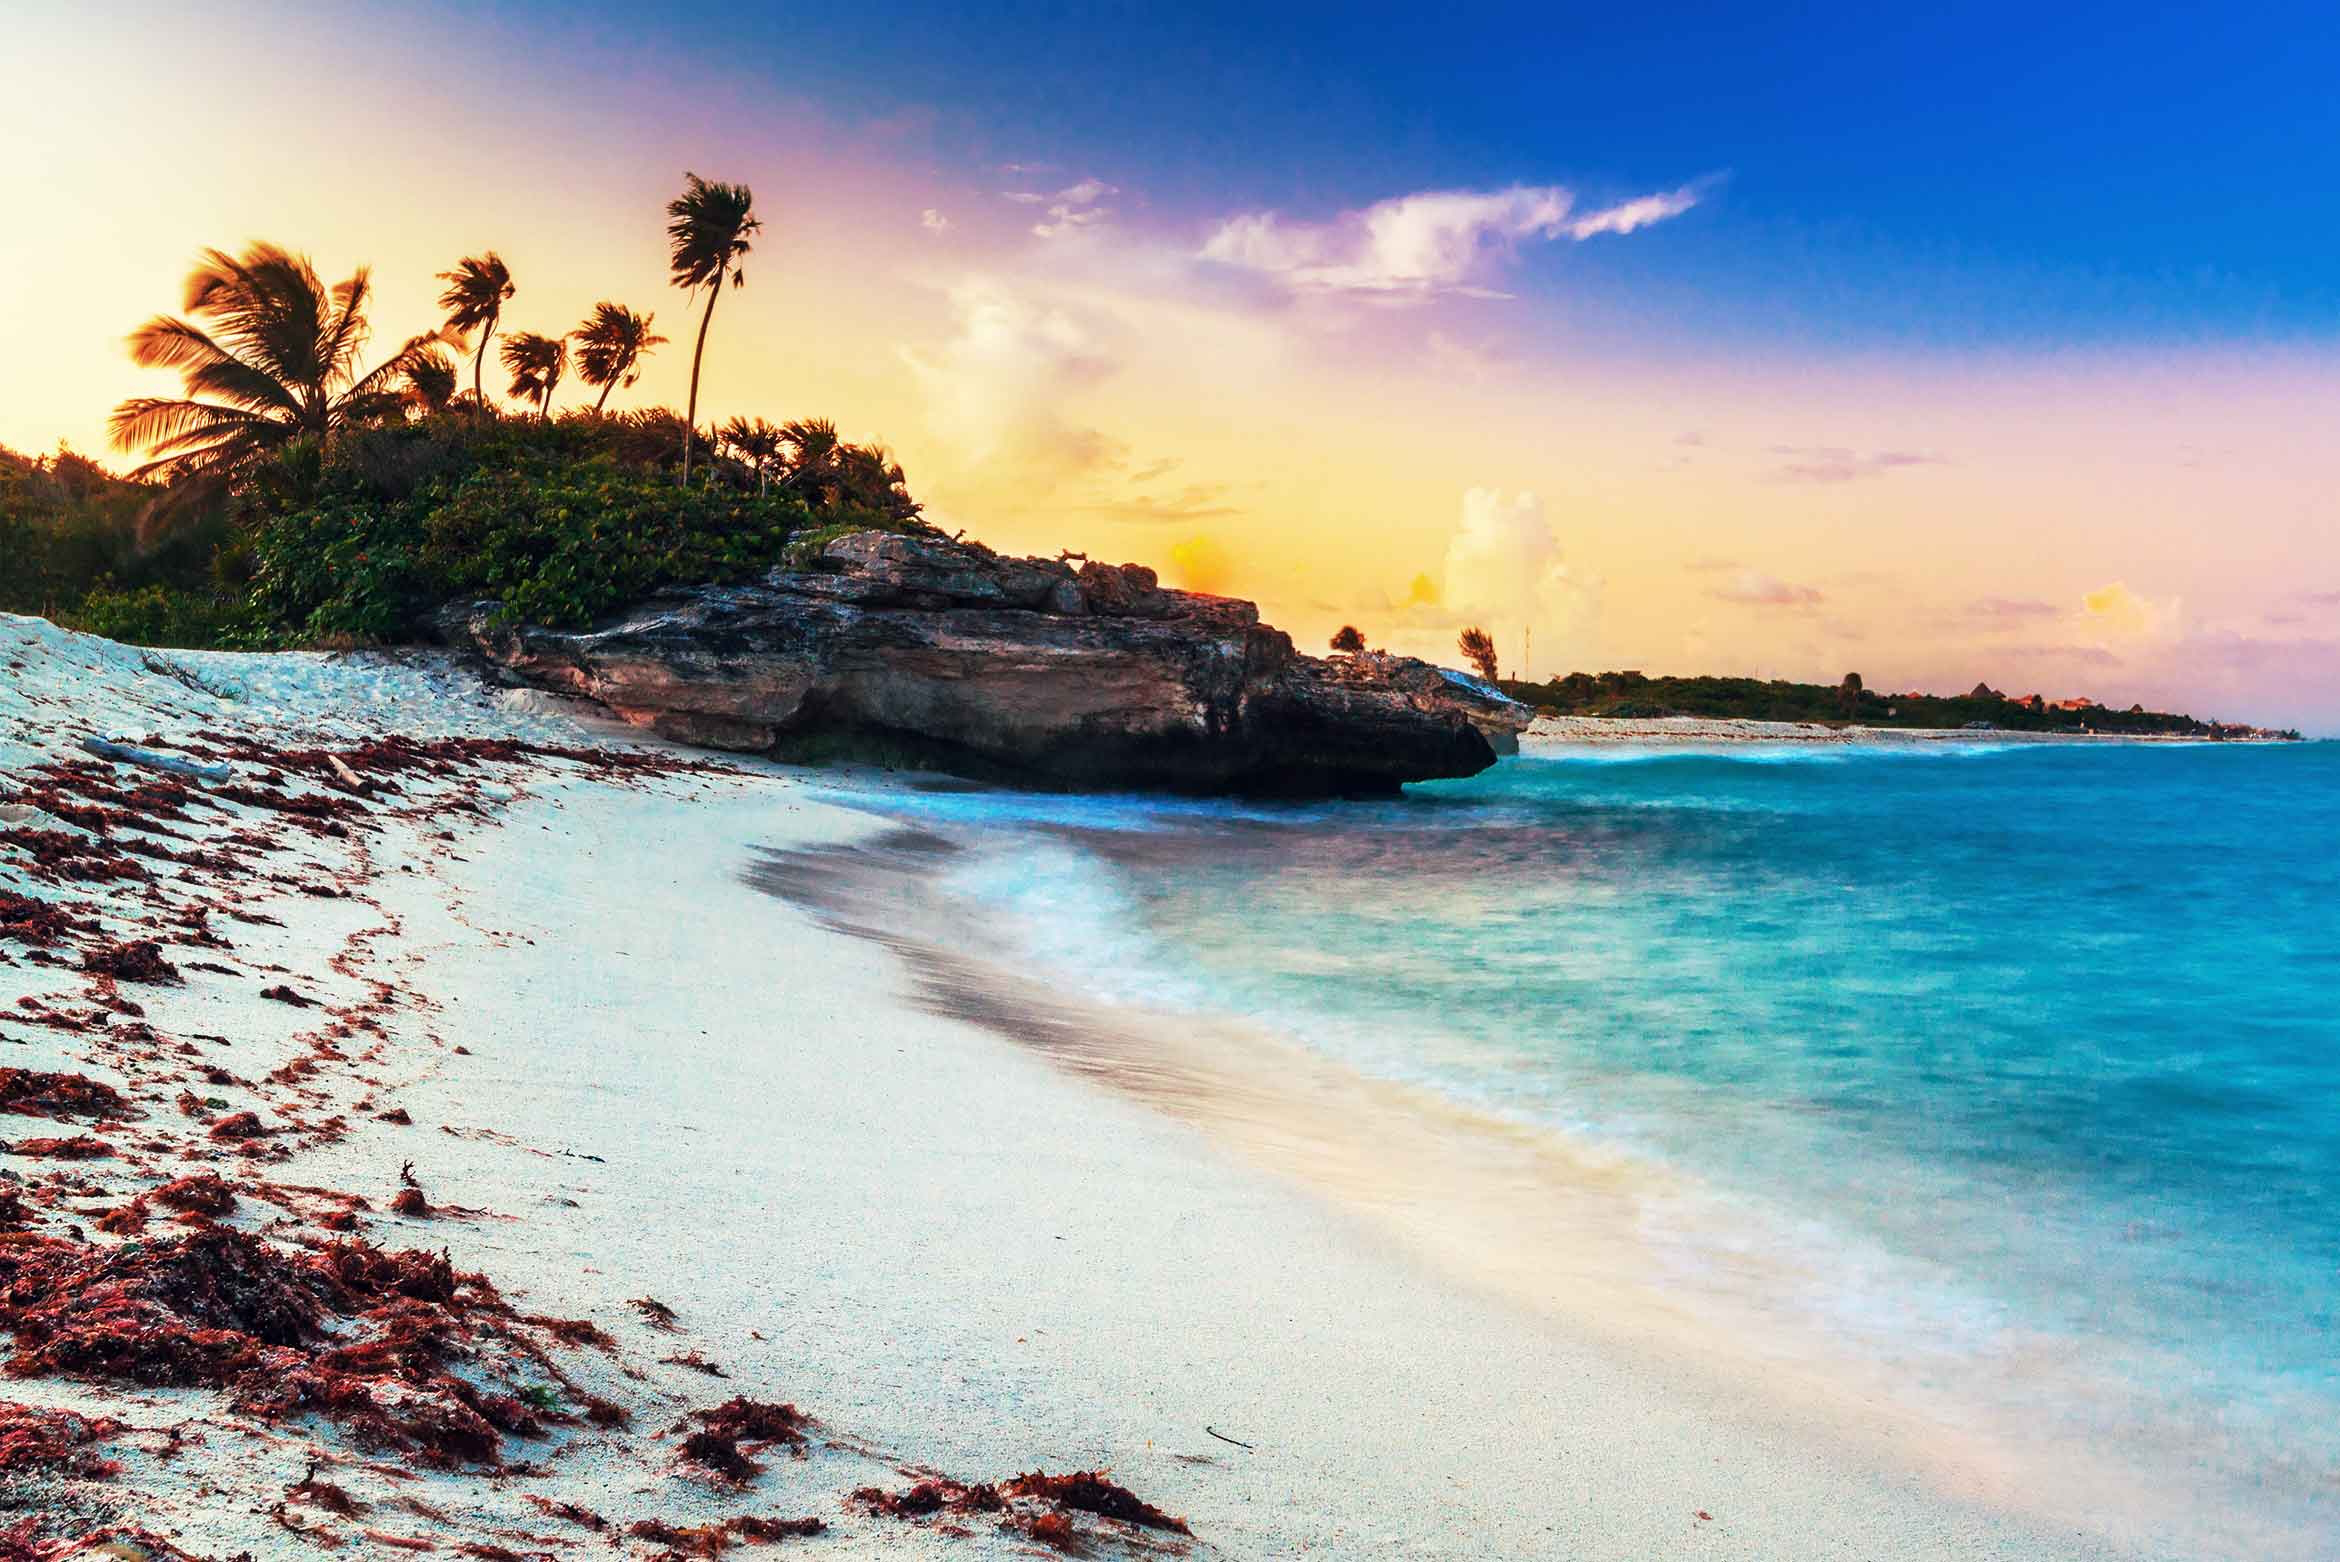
1961, 175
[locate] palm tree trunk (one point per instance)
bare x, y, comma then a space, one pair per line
691, 418
478, 396
606, 387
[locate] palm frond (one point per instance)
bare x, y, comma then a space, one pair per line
708, 227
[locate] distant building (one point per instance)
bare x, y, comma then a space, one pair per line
2082, 703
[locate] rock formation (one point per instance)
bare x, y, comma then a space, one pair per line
918, 650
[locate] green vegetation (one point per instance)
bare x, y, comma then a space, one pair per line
72, 550
560, 521
294, 496
1631, 694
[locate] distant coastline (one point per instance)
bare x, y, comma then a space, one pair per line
1636, 696
1695, 731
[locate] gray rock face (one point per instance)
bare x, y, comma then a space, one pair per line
924, 651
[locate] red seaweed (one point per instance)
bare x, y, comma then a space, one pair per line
35, 1094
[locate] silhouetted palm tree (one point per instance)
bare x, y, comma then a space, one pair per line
757, 443
828, 472
537, 363
708, 226
1478, 649
278, 362
813, 451
430, 381
610, 345
477, 290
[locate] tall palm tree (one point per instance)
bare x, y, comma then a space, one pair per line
477, 290
757, 443
610, 347
537, 363
275, 360
708, 226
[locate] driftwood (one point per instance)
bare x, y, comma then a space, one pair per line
171, 764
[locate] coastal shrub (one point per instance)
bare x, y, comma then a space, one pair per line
554, 521
71, 550
162, 615
564, 545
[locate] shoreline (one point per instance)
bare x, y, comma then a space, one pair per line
1554, 1230
1690, 731
619, 1070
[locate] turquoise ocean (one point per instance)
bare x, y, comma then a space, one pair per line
2015, 1050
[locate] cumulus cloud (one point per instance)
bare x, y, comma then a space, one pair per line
1069, 210
1435, 241
996, 386
1840, 464
2120, 613
1504, 572
933, 221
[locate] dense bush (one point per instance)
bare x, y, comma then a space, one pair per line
170, 616
559, 521
549, 520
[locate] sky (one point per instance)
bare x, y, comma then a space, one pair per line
1994, 343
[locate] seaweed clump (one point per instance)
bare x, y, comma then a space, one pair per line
221, 1309
137, 960
1090, 1492
715, 1446
36, 1094
54, 1442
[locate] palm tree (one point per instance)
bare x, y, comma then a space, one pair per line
276, 360
430, 382
813, 452
757, 443
708, 226
1478, 649
610, 345
537, 363
477, 290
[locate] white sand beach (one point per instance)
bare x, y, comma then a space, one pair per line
633, 1072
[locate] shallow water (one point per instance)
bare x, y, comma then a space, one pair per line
2014, 1068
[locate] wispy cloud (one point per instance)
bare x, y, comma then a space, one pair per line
1753, 588
2008, 611
1841, 464
1194, 502
933, 221
1069, 210
1435, 241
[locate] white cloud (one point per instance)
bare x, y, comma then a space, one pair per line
996, 385
1436, 241
1503, 572
933, 221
